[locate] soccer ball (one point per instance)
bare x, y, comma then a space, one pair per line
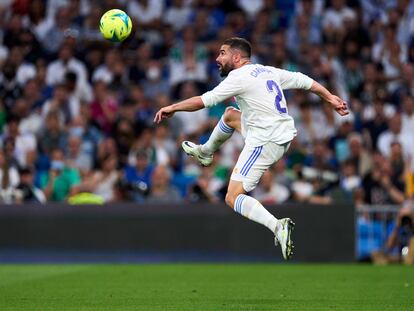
115, 25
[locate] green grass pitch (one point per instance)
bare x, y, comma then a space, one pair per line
206, 287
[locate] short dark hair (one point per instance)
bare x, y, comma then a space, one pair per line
240, 44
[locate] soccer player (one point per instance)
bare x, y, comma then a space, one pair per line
263, 121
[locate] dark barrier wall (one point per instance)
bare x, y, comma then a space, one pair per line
322, 233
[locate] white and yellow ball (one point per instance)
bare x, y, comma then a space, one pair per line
115, 25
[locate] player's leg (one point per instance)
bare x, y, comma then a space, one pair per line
229, 122
248, 206
251, 165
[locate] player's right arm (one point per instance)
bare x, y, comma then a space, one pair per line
228, 88
191, 104
231, 86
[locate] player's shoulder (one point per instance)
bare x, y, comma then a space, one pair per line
251, 70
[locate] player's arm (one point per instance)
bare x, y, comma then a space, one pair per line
191, 104
337, 103
228, 88
297, 80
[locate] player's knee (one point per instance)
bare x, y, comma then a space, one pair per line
230, 115
230, 198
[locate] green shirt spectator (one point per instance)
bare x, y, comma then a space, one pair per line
61, 181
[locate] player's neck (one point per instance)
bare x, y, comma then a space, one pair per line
243, 62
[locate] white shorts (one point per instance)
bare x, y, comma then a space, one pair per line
254, 161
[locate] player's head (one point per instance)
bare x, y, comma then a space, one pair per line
233, 53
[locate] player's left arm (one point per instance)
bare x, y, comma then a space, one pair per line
296, 80
191, 104
336, 102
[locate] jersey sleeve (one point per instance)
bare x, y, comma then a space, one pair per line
293, 80
229, 87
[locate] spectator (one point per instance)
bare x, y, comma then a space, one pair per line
137, 70
12, 30
312, 125
76, 157
142, 170
377, 125
30, 120
304, 190
24, 142
52, 136
54, 36
398, 166
394, 133
335, 16
178, 14
206, 188
378, 186
350, 180
103, 107
61, 180
9, 146
103, 181
143, 142
106, 147
407, 116
67, 107
66, 62
9, 179
155, 84
24, 70
10, 90
90, 34
251, 8
403, 231
304, 30
37, 19
359, 157
192, 122
105, 72
269, 192
29, 192
78, 91
391, 55
165, 147
188, 60
405, 85
161, 190
146, 12
124, 136
321, 158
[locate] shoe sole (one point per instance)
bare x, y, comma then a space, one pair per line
289, 242
184, 146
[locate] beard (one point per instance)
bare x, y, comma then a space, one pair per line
225, 70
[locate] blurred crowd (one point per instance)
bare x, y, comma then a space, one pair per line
76, 111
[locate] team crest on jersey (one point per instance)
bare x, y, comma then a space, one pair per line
236, 170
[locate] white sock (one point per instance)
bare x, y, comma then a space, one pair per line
251, 208
220, 134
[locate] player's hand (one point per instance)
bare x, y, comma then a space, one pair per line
339, 105
164, 113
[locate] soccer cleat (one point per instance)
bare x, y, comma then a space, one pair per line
283, 237
195, 151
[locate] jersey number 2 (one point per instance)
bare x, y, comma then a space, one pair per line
271, 86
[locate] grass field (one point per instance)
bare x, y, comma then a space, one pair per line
206, 287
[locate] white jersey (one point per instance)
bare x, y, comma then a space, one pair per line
258, 91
